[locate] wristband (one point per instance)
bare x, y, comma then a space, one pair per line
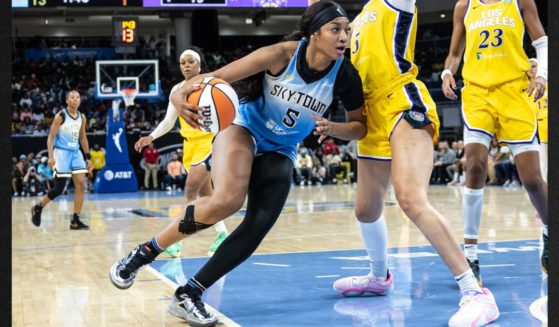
446, 72
88, 156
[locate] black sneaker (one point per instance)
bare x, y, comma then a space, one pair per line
77, 224
189, 306
545, 255
475, 269
124, 271
36, 211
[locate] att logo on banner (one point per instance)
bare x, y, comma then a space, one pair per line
110, 175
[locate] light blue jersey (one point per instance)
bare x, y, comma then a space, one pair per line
282, 118
68, 136
68, 159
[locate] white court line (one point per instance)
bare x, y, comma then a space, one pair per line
361, 268
327, 276
502, 265
270, 264
536, 309
222, 318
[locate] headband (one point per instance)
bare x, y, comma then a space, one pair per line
533, 60
192, 53
326, 15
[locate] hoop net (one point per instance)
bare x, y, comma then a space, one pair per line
128, 95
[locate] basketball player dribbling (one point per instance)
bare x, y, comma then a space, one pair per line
402, 125
197, 148
296, 82
497, 101
65, 136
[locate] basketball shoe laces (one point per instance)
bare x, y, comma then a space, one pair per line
197, 306
134, 261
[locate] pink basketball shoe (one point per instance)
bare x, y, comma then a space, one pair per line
364, 285
478, 309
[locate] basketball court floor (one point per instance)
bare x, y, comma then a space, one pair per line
60, 277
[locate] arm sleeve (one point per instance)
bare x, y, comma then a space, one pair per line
348, 86
168, 122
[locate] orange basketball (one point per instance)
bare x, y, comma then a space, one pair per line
220, 102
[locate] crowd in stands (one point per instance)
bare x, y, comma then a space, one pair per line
449, 165
39, 87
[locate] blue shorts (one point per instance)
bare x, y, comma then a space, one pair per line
68, 162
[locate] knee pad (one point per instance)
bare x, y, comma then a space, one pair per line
59, 184
188, 225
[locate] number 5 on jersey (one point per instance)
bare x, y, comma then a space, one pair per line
290, 118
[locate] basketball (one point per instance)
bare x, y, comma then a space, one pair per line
220, 102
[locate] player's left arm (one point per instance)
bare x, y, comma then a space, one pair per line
539, 41
351, 95
84, 143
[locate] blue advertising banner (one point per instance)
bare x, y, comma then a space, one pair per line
118, 174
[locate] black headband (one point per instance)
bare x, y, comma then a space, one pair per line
326, 15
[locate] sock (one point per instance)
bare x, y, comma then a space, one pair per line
193, 286
154, 247
545, 230
375, 238
467, 282
456, 177
472, 203
470, 250
76, 217
220, 227
39, 206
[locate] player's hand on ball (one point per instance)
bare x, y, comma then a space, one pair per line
323, 127
449, 85
537, 87
142, 142
187, 111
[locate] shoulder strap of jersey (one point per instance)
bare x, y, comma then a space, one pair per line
62, 114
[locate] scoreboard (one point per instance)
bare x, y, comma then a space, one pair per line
125, 31
75, 3
159, 3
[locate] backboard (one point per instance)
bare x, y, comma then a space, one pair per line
111, 76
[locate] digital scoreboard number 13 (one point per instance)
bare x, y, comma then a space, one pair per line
125, 31
128, 31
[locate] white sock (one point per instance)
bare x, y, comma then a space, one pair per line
375, 238
470, 250
467, 282
472, 203
456, 177
545, 230
220, 227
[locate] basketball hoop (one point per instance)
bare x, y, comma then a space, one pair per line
128, 95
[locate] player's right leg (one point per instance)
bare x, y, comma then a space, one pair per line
61, 172
233, 157
369, 202
477, 151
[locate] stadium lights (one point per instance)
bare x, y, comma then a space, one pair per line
248, 21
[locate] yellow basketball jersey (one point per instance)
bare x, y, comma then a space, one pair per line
383, 44
541, 106
494, 33
187, 132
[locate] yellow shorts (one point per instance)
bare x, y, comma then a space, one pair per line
384, 113
196, 150
505, 112
542, 130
